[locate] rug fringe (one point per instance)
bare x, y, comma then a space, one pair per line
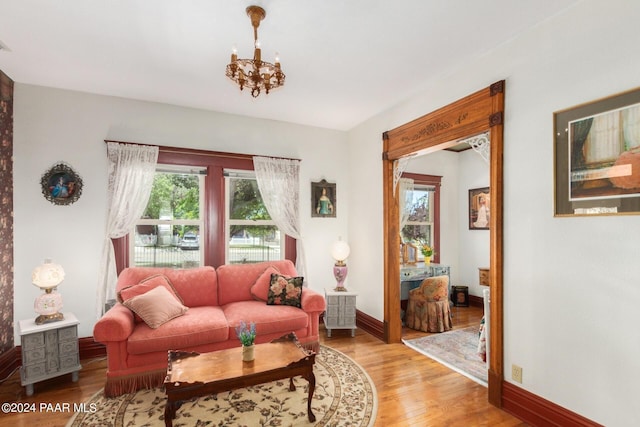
131, 383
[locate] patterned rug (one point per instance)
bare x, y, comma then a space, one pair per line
456, 349
344, 396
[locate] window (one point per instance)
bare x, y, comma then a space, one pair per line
173, 239
251, 234
419, 227
423, 225
168, 234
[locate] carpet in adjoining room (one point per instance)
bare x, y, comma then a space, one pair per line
344, 396
456, 349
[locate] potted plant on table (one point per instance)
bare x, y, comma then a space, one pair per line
427, 251
247, 335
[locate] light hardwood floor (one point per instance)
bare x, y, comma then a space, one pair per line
413, 390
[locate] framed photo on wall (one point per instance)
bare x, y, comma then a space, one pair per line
597, 157
479, 203
323, 199
61, 185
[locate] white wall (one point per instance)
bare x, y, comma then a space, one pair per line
53, 125
474, 244
571, 285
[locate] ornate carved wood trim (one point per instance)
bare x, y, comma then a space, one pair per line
466, 117
495, 119
496, 88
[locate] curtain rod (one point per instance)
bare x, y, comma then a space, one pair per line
166, 149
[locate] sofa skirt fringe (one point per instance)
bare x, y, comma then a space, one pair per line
313, 346
131, 383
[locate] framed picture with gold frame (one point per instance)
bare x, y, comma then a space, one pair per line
479, 202
597, 157
61, 185
408, 253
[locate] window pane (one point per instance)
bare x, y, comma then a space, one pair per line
419, 228
245, 201
174, 196
420, 210
254, 243
418, 233
164, 245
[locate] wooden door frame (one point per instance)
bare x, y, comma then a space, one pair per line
477, 113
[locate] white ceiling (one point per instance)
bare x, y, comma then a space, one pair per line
345, 60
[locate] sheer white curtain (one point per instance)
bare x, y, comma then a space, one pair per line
405, 186
279, 184
131, 171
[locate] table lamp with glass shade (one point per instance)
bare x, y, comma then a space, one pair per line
340, 252
48, 276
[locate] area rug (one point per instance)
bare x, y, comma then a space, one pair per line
344, 396
456, 349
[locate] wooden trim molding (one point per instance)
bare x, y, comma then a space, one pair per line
479, 112
90, 349
536, 411
370, 325
10, 360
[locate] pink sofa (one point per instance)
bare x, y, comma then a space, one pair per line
217, 300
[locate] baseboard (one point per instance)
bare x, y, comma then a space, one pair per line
537, 411
90, 349
9, 362
370, 325
475, 301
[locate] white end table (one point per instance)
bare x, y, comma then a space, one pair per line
341, 310
49, 350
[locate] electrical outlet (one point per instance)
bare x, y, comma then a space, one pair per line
516, 373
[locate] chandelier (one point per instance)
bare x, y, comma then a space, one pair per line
255, 74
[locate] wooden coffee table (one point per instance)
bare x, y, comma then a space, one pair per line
191, 374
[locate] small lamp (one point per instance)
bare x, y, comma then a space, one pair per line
340, 252
47, 277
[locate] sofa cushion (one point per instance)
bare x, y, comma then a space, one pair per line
260, 289
235, 280
156, 307
269, 319
145, 285
198, 326
285, 290
195, 286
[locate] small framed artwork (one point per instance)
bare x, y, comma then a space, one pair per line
408, 253
479, 214
597, 157
323, 199
61, 185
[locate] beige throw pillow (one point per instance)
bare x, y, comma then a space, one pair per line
156, 307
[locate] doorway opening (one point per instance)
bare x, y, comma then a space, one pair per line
477, 113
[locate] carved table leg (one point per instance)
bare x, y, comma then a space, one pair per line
169, 413
292, 386
312, 386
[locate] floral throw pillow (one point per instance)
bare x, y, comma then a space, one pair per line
285, 290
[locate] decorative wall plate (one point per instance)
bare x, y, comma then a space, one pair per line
61, 185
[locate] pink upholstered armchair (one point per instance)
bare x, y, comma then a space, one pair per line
428, 309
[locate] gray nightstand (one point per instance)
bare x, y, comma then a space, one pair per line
49, 350
341, 310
